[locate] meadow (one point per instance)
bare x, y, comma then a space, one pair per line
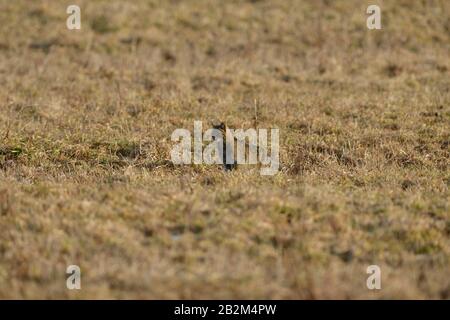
86, 177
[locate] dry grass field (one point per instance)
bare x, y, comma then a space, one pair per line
85, 171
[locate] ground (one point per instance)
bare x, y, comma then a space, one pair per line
85, 171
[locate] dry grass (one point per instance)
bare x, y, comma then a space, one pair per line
85, 125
